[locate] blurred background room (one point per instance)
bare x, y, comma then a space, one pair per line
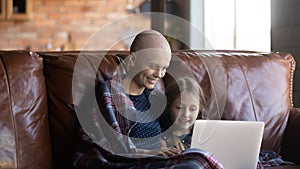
57, 25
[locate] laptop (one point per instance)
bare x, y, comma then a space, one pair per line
235, 144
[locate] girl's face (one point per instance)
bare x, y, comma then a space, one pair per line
184, 110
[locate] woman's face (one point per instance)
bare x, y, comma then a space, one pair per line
184, 110
150, 69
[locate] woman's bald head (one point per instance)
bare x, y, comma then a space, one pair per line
149, 39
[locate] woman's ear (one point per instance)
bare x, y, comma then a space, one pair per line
132, 59
128, 62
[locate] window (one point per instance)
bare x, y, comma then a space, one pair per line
237, 24
18, 9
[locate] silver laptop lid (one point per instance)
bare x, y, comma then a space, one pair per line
236, 144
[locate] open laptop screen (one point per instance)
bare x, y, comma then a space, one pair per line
236, 144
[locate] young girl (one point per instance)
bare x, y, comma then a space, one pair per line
185, 103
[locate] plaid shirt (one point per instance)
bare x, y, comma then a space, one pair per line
102, 152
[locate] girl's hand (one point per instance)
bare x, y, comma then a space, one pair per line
180, 146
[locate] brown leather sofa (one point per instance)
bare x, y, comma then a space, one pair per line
38, 122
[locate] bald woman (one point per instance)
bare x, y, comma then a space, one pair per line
149, 60
131, 105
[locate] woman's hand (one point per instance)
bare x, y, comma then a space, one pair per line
169, 151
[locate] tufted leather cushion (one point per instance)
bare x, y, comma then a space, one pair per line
257, 86
58, 71
24, 141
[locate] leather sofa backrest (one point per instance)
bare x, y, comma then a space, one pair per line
25, 139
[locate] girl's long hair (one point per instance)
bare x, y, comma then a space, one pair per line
174, 90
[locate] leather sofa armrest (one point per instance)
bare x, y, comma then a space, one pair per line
290, 147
